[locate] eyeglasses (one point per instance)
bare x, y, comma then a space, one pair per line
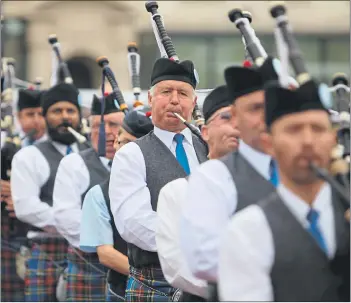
123, 142
224, 116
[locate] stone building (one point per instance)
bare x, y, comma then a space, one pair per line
200, 30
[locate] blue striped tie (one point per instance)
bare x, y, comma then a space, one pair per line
69, 150
314, 230
180, 153
273, 173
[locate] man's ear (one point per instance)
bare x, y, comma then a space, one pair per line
267, 143
204, 133
149, 99
194, 102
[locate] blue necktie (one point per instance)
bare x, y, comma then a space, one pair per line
69, 150
30, 142
180, 153
273, 173
314, 230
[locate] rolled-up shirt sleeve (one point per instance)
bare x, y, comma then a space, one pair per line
72, 180
130, 198
95, 229
30, 171
210, 201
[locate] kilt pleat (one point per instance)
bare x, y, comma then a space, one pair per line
46, 263
12, 286
85, 283
148, 285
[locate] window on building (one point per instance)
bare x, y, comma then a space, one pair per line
13, 44
337, 56
83, 70
211, 53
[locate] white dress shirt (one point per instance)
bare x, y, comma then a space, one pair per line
211, 200
30, 171
129, 195
247, 248
173, 265
72, 180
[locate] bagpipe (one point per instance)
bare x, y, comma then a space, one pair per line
13, 141
289, 51
167, 50
339, 168
61, 74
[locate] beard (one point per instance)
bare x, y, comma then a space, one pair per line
65, 137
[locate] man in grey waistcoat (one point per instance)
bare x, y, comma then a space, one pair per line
98, 232
141, 168
76, 174
222, 186
294, 245
32, 180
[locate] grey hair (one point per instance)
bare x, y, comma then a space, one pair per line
152, 91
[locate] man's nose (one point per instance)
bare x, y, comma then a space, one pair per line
307, 137
174, 97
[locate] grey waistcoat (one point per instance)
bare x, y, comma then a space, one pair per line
97, 171
301, 270
251, 186
53, 157
161, 168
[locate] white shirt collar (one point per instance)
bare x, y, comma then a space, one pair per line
299, 208
258, 160
167, 137
62, 148
105, 162
25, 142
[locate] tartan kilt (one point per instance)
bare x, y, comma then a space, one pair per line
12, 286
112, 296
46, 263
13, 235
148, 285
85, 283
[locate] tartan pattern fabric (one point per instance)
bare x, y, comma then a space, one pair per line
12, 286
111, 296
148, 285
12, 227
84, 283
46, 263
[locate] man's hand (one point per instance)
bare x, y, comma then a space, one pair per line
9, 207
5, 189
347, 215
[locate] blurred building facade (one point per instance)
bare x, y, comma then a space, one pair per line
200, 30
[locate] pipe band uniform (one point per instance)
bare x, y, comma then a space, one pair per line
32, 181
222, 137
13, 231
286, 220
144, 166
165, 191
97, 218
76, 174
229, 174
